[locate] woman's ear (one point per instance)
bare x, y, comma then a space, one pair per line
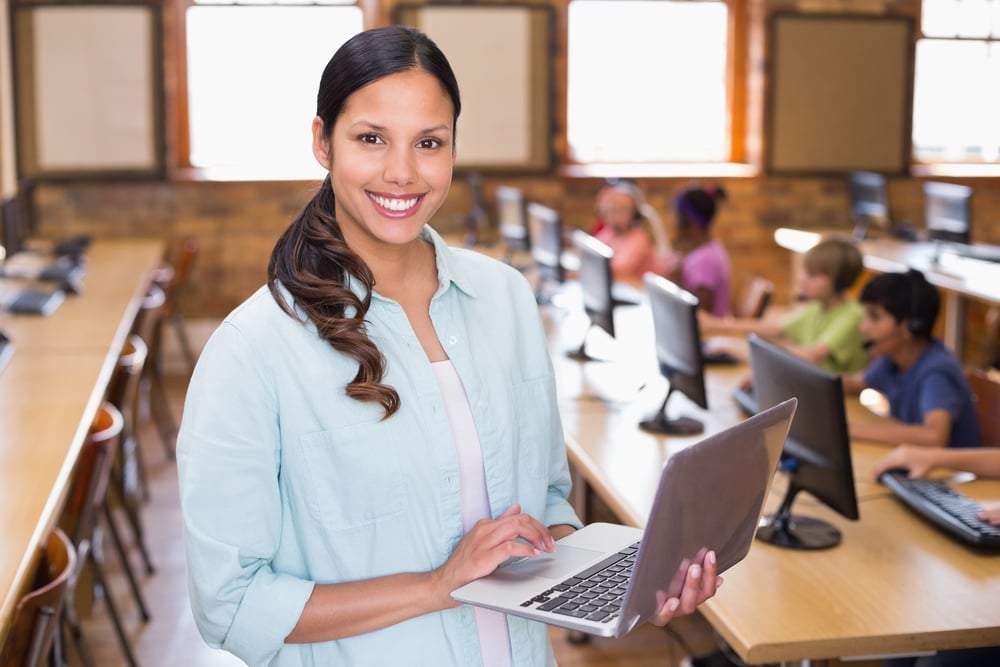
321, 143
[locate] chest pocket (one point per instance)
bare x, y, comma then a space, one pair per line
354, 476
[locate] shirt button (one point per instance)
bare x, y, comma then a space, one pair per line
452, 340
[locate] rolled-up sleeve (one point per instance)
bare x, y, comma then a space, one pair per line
228, 467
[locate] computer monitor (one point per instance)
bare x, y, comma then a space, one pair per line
869, 202
12, 232
947, 212
596, 282
678, 353
817, 452
546, 233
512, 221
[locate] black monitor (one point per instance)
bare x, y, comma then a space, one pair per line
817, 452
947, 212
596, 282
512, 221
546, 234
13, 232
678, 353
869, 202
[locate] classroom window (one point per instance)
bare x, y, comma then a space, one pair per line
956, 98
252, 75
670, 108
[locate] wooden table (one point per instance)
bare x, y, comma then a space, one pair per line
894, 586
49, 393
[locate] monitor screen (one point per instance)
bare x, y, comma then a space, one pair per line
12, 231
545, 231
595, 286
678, 353
869, 201
511, 219
947, 212
817, 453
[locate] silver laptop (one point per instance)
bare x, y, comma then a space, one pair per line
603, 579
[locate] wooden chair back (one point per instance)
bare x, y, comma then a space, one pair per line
986, 395
36, 617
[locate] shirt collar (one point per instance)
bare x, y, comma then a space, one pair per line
449, 271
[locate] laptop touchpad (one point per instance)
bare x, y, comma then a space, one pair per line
565, 561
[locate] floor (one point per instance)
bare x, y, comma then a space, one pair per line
171, 638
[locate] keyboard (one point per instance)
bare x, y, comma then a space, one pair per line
718, 358
943, 506
980, 251
746, 400
30, 301
595, 594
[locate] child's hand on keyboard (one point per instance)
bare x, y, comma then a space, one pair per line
991, 515
918, 460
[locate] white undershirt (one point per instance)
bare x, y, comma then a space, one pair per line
491, 626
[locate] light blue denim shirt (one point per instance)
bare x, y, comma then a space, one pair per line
285, 481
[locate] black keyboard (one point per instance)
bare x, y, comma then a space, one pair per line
29, 301
595, 594
944, 507
746, 400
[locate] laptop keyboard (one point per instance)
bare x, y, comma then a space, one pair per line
595, 594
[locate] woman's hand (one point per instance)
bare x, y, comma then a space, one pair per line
489, 543
701, 581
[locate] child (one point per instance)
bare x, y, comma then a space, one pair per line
633, 231
826, 328
704, 268
924, 383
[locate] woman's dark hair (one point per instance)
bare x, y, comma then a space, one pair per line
698, 204
908, 297
311, 259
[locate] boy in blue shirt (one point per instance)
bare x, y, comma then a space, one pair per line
928, 394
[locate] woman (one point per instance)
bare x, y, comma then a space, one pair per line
345, 459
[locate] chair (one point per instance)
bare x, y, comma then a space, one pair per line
87, 503
986, 395
33, 630
129, 471
755, 297
162, 307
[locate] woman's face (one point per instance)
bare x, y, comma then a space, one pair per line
390, 158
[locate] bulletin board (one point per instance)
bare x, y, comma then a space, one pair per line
89, 85
839, 89
501, 57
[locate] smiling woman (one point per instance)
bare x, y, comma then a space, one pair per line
345, 460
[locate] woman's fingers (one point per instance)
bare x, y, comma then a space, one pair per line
701, 583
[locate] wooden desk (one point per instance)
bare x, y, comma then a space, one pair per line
49, 394
895, 584
958, 278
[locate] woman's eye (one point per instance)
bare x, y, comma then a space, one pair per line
429, 143
370, 139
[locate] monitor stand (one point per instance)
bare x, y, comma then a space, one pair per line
663, 425
6, 348
784, 529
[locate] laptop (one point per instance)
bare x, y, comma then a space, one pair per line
710, 497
